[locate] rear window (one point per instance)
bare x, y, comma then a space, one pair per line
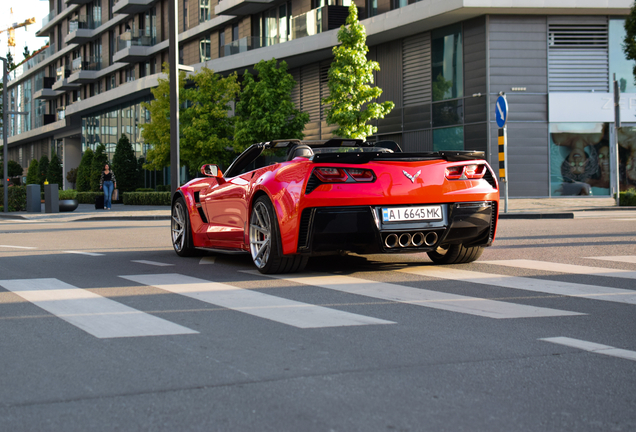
350, 150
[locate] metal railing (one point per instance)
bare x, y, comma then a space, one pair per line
135, 38
49, 17
32, 62
248, 44
84, 22
86, 64
307, 24
61, 73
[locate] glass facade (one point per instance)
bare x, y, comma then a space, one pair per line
107, 127
619, 65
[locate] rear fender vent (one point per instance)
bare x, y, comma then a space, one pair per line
197, 203
304, 229
490, 179
493, 222
312, 183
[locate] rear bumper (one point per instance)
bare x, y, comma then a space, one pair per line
360, 229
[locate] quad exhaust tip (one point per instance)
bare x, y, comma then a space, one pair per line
406, 239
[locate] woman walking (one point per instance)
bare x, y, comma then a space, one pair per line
107, 182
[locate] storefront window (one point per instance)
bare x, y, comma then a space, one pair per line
619, 65
447, 64
627, 157
579, 159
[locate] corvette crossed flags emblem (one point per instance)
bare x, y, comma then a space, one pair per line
412, 177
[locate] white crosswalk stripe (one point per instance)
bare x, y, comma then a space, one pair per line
152, 263
564, 268
96, 315
528, 284
422, 297
627, 259
592, 347
290, 312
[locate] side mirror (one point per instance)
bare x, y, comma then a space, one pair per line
211, 170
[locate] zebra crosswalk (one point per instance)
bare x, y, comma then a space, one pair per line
104, 317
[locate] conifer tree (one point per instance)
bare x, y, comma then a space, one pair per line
54, 173
125, 165
43, 166
33, 173
84, 171
100, 158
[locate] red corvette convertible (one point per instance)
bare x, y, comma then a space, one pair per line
287, 200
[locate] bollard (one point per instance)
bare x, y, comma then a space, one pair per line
34, 199
51, 199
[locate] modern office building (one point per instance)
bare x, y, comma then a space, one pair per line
443, 63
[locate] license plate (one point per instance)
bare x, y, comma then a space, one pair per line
397, 214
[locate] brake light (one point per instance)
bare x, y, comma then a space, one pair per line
331, 175
361, 175
465, 172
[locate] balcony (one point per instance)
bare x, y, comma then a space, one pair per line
46, 92
131, 6
32, 62
49, 17
134, 46
242, 7
318, 20
84, 70
77, 2
81, 29
248, 44
61, 80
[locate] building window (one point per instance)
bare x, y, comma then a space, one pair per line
447, 63
204, 10
185, 15
221, 43
130, 74
618, 64
235, 30
204, 49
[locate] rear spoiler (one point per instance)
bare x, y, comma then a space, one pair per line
365, 157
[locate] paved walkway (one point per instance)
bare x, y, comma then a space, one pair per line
520, 208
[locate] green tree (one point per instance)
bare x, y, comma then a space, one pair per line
157, 131
206, 127
629, 43
125, 165
43, 166
84, 171
100, 158
26, 53
14, 169
33, 174
71, 176
265, 110
55, 174
349, 77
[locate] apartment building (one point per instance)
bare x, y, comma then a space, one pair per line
443, 64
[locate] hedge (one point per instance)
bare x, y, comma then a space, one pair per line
628, 198
147, 198
17, 198
88, 197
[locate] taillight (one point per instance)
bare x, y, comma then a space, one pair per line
361, 175
465, 172
331, 175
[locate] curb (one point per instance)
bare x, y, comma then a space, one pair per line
536, 215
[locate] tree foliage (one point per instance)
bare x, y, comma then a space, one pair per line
350, 76
629, 43
33, 173
206, 127
265, 110
125, 165
55, 174
71, 176
43, 166
14, 169
100, 158
84, 172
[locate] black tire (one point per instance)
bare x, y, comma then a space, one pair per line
265, 243
180, 230
455, 254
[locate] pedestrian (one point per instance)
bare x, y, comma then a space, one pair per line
108, 183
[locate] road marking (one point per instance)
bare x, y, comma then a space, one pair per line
627, 259
595, 292
564, 268
207, 260
96, 315
84, 253
422, 297
154, 263
17, 247
593, 347
290, 312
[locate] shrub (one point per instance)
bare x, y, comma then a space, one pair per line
33, 173
71, 176
87, 197
17, 198
628, 198
68, 194
147, 198
144, 190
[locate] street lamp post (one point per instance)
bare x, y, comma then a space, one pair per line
5, 152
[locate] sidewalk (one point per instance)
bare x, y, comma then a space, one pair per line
518, 208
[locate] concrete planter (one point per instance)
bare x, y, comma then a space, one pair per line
68, 205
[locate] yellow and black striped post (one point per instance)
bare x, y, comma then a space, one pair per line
502, 140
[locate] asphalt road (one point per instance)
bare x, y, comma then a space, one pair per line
103, 327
